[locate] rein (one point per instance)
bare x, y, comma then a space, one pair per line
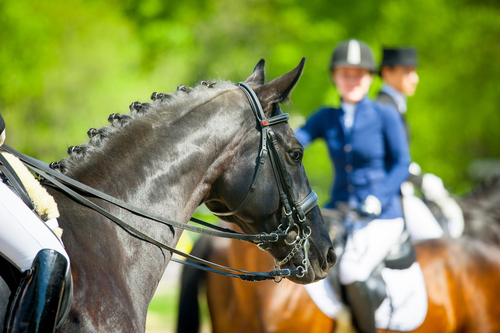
69, 185
51, 177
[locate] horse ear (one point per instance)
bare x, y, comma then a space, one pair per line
259, 74
279, 89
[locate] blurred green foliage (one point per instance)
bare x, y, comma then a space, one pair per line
66, 65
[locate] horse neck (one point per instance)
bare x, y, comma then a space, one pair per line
164, 169
167, 168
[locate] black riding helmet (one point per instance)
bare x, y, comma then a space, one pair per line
353, 53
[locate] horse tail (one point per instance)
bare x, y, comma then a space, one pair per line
188, 317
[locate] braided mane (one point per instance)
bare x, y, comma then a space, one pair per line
163, 103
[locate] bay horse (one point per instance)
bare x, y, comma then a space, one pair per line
198, 145
462, 278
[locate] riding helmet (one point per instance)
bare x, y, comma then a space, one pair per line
353, 53
404, 56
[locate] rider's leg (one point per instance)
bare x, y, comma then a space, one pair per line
35, 305
22, 233
22, 237
420, 222
367, 245
452, 211
432, 188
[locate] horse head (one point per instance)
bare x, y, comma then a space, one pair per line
228, 146
264, 188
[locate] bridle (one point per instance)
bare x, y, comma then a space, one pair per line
289, 203
75, 189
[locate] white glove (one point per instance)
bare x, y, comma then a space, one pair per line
371, 206
433, 188
415, 169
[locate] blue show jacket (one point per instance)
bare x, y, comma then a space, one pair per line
370, 158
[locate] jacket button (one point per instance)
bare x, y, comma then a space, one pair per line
347, 148
348, 168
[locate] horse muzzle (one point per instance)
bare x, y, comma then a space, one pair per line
309, 258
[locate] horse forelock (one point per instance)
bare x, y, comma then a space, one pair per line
164, 107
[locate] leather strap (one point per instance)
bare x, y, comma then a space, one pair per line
138, 234
44, 169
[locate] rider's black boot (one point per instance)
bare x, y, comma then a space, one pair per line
362, 307
35, 305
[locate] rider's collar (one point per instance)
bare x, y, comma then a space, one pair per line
397, 96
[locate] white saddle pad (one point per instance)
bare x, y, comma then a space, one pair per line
404, 309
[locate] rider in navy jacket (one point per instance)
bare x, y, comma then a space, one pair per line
370, 159
369, 149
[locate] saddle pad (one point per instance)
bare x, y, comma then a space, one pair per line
403, 310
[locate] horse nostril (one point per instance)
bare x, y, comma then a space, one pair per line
331, 257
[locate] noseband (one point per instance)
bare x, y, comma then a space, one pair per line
288, 201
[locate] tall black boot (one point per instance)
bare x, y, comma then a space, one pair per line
362, 307
35, 305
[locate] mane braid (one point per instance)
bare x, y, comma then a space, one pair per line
163, 103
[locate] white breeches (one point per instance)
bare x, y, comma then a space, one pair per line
420, 222
22, 233
368, 243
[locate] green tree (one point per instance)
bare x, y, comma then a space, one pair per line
67, 65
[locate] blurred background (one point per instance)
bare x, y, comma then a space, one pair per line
66, 65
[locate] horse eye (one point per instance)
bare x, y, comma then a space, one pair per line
296, 155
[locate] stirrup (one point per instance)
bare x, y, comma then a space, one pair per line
35, 305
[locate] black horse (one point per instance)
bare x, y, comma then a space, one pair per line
198, 145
